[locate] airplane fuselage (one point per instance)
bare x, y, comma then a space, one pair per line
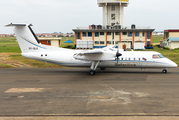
108, 57
129, 59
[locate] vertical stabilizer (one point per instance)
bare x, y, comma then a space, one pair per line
26, 38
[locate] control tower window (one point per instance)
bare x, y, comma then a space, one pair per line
113, 7
112, 24
112, 16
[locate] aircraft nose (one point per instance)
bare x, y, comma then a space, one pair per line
171, 63
174, 64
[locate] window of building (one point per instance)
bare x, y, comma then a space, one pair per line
84, 34
108, 33
129, 34
48, 41
148, 35
143, 33
112, 16
108, 42
116, 42
96, 34
78, 35
89, 34
101, 33
136, 34
117, 33
166, 35
96, 42
101, 42
112, 7
124, 33
112, 24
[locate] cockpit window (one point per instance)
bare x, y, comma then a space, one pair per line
158, 56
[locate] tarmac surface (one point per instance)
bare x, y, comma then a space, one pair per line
73, 92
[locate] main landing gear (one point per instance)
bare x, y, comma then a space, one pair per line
92, 72
94, 65
164, 71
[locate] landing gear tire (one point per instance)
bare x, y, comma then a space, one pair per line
92, 72
102, 68
164, 71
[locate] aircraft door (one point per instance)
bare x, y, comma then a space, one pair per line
124, 47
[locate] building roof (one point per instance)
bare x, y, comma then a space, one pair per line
68, 41
46, 38
113, 30
172, 30
173, 39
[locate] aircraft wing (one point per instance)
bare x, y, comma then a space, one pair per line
88, 52
110, 46
95, 55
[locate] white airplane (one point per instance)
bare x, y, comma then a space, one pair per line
108, 57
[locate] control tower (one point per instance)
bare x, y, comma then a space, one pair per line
113, 11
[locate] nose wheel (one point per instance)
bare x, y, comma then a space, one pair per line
164, 71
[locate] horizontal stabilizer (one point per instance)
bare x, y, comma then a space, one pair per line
13, 25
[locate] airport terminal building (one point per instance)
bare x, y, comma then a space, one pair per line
112, 32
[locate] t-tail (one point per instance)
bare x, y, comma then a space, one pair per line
26, 38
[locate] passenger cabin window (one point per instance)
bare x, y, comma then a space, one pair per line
158, 56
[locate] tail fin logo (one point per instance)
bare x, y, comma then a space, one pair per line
33, 43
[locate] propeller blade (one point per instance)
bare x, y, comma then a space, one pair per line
118, 55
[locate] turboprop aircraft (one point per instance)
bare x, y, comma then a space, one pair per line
108, 57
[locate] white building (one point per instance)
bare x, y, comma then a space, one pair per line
113, 11
112, 32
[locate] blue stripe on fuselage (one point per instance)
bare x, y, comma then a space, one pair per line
33, 43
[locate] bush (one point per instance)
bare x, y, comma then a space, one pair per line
167, 48
68, 46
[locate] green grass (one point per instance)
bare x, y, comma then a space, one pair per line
10, 40
62, 44
9, 48
31, 62
9, 45
2, 65
156, 38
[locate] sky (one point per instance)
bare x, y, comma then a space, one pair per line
48, 16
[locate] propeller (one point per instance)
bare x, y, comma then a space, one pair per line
118, 55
